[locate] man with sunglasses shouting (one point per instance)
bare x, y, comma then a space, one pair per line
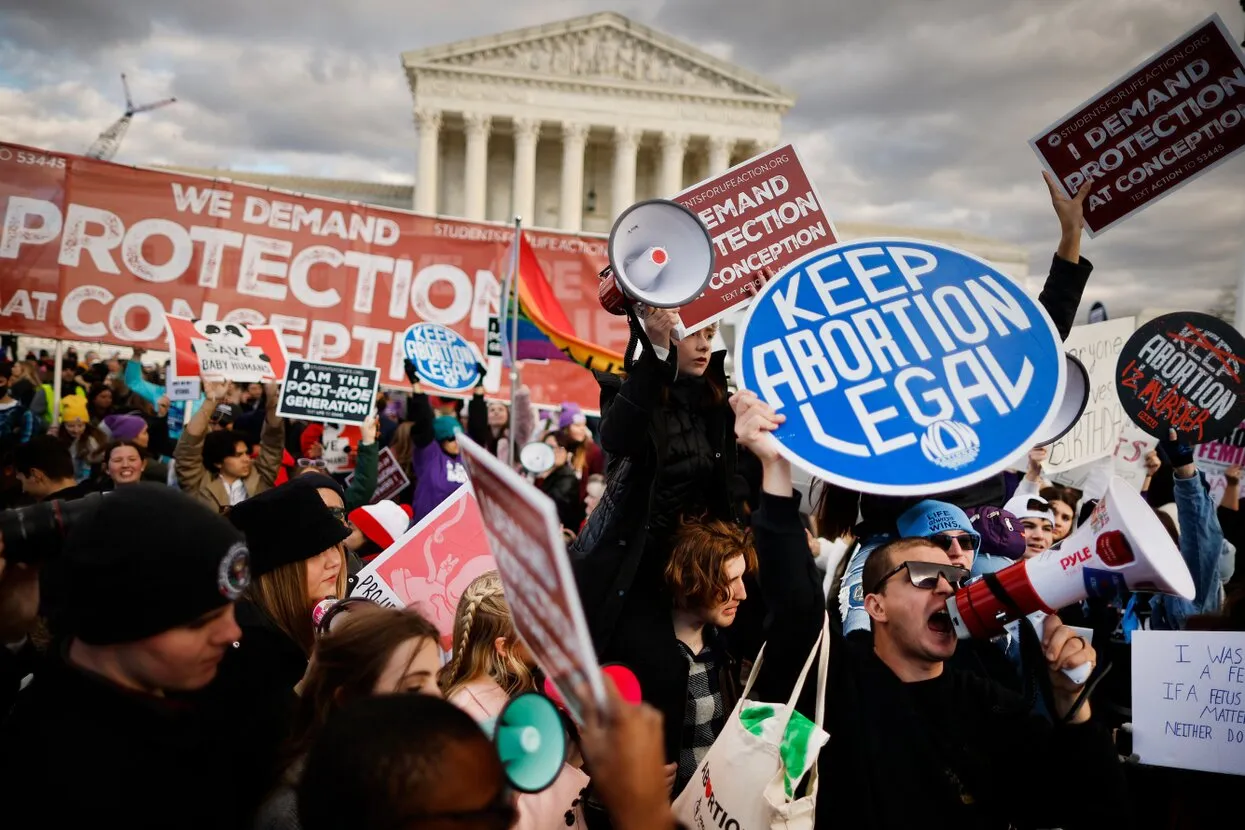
916, 742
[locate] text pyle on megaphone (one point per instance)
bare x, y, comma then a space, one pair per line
660, 255
1122, 546
1072, 407
530, 741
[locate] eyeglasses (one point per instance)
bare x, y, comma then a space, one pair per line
318, 463
339, 513
967, 542
924, 575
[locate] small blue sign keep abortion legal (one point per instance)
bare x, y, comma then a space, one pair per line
442, 356
903, 367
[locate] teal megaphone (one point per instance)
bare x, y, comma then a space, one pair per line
530, 742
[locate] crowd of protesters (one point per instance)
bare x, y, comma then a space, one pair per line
183, 651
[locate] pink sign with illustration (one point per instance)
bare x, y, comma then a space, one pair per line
431, 565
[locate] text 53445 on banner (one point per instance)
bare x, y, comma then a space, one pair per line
903, 367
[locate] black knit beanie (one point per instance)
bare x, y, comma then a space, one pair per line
150, 559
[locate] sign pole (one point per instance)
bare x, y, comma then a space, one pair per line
514, 336
56, 382
1239, 319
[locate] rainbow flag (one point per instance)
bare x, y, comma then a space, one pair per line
545, 332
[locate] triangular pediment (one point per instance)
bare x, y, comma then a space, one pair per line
606, 48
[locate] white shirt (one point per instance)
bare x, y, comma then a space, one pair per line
237, 492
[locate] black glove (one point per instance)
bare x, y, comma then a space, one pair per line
1175, 453
481, 371
409, 366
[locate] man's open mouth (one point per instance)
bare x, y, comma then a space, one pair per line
940, 621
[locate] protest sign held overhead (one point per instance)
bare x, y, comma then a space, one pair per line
341, 444
1228, 451
1097, 432
442, 357
903, 367
1167, 121
430, 566
762, 213
183, 389
391, 478
221, 350
526, 538
331, 392
1182, 371
1188, 699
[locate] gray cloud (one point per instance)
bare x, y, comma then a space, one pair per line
912, 112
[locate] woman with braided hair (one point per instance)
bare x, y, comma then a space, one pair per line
490, 665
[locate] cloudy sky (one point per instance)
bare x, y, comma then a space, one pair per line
913, 112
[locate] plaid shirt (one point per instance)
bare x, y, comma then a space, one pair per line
704, 717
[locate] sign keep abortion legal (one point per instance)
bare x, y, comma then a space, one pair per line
762, 213
1166, 122
903, 367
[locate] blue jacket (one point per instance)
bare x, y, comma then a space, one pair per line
1202, 546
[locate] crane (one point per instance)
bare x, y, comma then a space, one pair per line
109, 141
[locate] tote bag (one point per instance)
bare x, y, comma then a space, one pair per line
747, 779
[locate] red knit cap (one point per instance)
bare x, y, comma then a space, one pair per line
382, 523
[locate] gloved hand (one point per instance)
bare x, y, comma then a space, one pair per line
1176, 453
409, 366
481, 371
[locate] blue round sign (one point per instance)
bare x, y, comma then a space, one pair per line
904, 367
442, 356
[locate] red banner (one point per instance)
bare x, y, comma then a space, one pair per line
96, 251
1168, 121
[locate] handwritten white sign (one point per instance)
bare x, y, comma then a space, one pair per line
1189, 699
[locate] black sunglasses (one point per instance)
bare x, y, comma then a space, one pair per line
339, 513
924, 575
967, 542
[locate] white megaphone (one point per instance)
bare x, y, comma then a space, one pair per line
1075, 398
661, 255
1122, 546
537, 457
530, 741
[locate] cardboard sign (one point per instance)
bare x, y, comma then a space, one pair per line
183, 389
391, 478
1128, 462
331, 392
1189, 699
442, 357
221, 350
1182, 371
430, 566
764, 212
340, 442
1229, 451
1097, 432
526, 538
903, 367
1164, 123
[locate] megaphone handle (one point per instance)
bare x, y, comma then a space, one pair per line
1077, 674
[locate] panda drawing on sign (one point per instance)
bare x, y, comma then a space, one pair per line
225, 334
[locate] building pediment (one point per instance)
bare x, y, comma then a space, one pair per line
605, 49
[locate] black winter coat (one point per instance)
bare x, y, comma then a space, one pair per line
619, 561
79, 751
958, 751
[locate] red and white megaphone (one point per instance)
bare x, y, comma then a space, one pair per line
661, 255
1122, 546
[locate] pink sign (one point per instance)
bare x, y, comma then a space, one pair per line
1171, 119
762, 213
431, 565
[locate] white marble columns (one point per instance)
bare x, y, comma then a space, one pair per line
673, 145
626, 142
476, 173
571, 207
720, 148
428, 124
526, 134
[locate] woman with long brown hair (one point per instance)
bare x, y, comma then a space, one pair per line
297, 560
371, 651
491, 665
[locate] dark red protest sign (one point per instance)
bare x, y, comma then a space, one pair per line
762, 213
1166, 122
1183, 371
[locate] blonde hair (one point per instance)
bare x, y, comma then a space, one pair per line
483, 615
282, 595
